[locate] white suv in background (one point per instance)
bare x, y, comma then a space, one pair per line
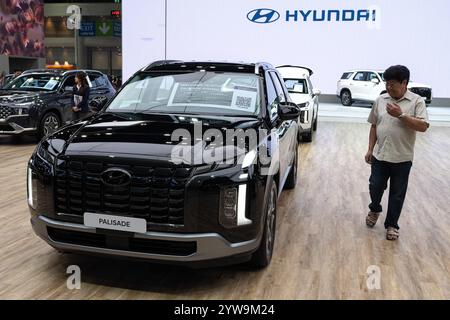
367, 85
298, 82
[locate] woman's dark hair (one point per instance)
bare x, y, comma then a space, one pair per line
398, 73
82, 77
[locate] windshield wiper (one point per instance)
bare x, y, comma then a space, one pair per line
121, 115
149, 108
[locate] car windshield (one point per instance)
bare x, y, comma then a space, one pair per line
296, 85
201, 93
382, 75
34, 82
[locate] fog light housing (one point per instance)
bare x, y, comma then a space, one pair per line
233, 207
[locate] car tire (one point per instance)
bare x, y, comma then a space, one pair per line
49, 123
263, 255
346, 98
291, 180
308, 136
315, 123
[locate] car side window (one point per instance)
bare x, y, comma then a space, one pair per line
69, 82
272, 98
283, 86
372, 76
360, 76
97, 80
278, 87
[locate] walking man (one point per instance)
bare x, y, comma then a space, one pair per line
396, 116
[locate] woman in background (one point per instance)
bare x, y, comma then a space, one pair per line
81, 93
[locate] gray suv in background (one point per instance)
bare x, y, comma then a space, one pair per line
40, 101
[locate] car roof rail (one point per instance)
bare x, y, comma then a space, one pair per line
160, 63
41, 71
173, 65
300, 67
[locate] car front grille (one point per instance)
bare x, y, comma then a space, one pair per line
156, 194
423, 92
6, 112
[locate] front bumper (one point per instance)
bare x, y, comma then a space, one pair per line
15, 125
205, 246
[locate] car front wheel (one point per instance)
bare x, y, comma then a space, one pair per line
346, 98
262, 257
50, 122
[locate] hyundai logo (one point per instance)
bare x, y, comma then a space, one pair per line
116, 177
263, 15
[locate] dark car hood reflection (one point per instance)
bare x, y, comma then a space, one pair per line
145, 135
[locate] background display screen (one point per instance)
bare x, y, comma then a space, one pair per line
328, 36
22, 28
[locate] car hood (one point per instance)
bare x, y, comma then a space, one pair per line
148, 136
16, 96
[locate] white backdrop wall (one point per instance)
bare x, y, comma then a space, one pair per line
415, 33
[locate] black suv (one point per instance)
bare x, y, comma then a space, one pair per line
150, 175
40, 101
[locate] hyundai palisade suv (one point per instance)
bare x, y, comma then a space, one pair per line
184, 165
367, 85
40, 101
302, 92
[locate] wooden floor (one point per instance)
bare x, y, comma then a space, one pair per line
323, 249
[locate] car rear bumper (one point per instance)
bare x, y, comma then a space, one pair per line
181, 248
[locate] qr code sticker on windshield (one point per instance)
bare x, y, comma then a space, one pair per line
243, 102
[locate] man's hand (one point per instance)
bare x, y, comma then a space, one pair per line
369, 157
394, 110
75, 109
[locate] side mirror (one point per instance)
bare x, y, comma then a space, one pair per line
288, 111
98, 103
317, 92
375, 80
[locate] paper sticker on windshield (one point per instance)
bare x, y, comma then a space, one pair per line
51, 84
244, 100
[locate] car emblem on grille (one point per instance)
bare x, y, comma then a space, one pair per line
116, 177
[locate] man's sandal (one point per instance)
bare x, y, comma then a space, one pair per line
371, 219
392, 234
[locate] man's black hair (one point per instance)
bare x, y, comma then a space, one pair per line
398, 73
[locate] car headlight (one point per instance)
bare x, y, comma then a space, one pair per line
45, 154
23, 108
233, 207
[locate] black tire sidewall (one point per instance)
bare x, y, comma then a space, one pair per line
41, 133
350, 96
260, 258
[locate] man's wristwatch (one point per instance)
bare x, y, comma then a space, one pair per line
403, 115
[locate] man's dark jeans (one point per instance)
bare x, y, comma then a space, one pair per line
398, 173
